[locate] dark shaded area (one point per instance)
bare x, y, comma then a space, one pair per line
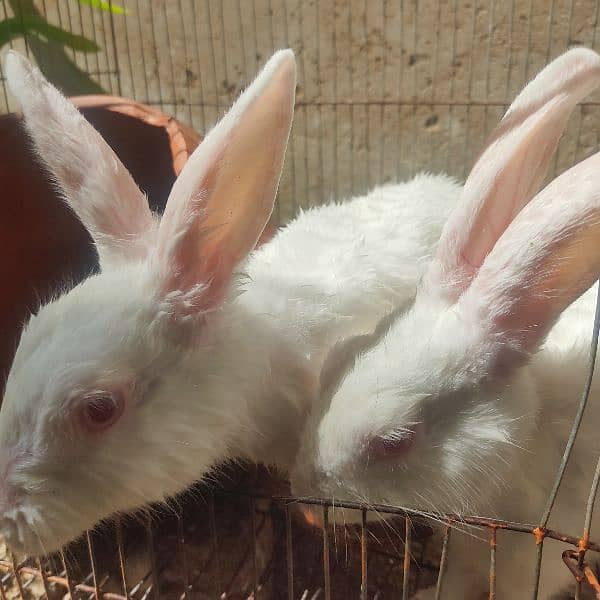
246, 543
44, 248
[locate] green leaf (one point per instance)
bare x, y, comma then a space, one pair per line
105, 5
11, 29
26, 24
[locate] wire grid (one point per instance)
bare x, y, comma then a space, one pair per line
385, 89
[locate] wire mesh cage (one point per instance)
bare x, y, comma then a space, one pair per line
386, 89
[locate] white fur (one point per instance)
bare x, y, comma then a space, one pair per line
469, 362
234, 381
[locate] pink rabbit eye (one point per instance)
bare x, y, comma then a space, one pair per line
102, 410
396, 444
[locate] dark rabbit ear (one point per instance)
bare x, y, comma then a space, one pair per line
511, 169
95, 183
544, 261
224, 196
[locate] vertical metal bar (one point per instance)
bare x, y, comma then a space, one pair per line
104, 30
537, 568
142, 52
181, 540
60, 23
128, 51
451, 108
304, 109
187, 65
363, 556
528, 51
406, 569
80, 15
70, 587
92, 12
466, 154
415, 80
367, 79
352, 111
554, 168
510, 51
152, 553
577, 595
255, 31
17, 576
289, 550
198, 54
434, 74
578, 417
493, 534
399, 145
216, 575
44, 576
291, 143
93, 565
491, 9
155, 50
320, 107
277, 211
114, 45
213, 57
550, 25
443, 563
121, 555
326, 571
382, 96
254, 551
224, 50
171, 64
23, 28
585, 538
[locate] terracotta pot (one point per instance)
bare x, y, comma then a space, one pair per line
42, 244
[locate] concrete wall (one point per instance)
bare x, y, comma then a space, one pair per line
385, 87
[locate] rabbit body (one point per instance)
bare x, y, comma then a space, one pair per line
188, 349
462, 399
558, 373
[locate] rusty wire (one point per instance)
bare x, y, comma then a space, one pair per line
94, 582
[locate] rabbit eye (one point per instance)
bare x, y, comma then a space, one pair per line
395, 444
102, 410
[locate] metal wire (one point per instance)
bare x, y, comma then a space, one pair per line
406, 564
443, 563
577, 421
364, 558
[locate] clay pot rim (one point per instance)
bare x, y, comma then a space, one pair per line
182, 139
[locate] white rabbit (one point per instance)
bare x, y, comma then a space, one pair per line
182, 353
462, 401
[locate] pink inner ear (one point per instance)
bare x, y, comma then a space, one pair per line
396, 445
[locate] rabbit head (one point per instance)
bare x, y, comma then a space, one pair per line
440, 395
122, 390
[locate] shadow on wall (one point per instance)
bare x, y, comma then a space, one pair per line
48, 43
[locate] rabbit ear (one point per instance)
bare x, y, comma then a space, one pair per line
224, 196
545, 260
511, 168
96, 185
